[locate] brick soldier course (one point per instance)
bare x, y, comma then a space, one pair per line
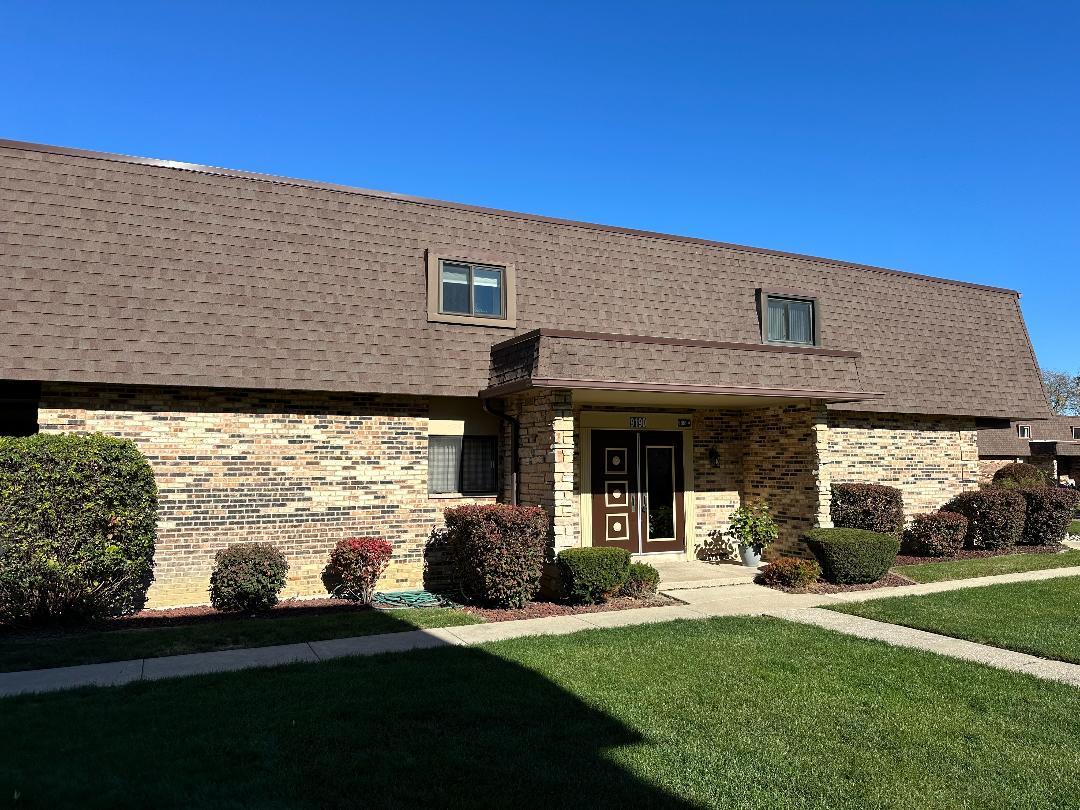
280, 351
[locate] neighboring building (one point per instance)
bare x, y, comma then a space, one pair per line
303, 362
1051, 444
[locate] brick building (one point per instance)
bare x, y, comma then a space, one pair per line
1053, 445
303, 362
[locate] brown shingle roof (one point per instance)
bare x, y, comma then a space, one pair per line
1051, 436
136, 271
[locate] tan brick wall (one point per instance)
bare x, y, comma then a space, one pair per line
928, 459
989, 466
780, 466
717, 488
299, 470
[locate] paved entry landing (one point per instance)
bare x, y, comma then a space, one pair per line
682, 574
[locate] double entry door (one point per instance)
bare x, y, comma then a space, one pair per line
637, 490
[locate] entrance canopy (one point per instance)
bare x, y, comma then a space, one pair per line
615, 369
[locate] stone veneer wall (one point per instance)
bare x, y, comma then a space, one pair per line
299, 470
929, 459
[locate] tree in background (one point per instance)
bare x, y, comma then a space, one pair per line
1063, 390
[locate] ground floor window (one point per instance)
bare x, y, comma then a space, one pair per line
462, 464
19, 408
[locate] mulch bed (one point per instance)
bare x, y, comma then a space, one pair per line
890, 580
972, 554
540, 610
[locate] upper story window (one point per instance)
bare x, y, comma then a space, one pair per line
790, 320
1076, 433
1023, 431
470, 289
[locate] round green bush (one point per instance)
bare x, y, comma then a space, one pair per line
247, 577
1021, 475
790, 572
939, 534
593, 574
642, 580
873, 507
995, 517
853, 556
78, 522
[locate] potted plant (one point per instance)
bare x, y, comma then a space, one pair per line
752, 529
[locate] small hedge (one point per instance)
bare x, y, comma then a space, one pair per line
642, 580
939, 534
247, 577
78, 521
995, 517
498, 551
593, 574
853, 556
1020, 475
790, 572
355, 567
1049, 513
872, 507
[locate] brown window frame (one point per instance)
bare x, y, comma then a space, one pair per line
435, 259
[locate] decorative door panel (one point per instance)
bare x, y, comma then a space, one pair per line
614, 488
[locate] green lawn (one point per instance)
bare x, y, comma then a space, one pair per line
1074, 527
987, 566
1032, 617
35, 651
732, 713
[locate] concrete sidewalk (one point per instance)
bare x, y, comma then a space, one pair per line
899, 636
697, 603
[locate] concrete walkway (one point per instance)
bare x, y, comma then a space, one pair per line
899, 636
698, 603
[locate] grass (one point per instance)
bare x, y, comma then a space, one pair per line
987, 566
732, 712
1032, 617
1074, 527
35, 650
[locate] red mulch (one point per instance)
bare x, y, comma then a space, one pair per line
890, 580
202, 614
972, 554
539, 609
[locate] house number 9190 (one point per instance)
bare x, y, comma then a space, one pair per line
637, 422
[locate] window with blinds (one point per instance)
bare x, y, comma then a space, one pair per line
462, 464
790, 320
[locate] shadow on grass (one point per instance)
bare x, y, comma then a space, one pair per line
453, 727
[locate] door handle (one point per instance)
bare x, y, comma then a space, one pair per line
633, 502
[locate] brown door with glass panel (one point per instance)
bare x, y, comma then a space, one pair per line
615, 517
637, 490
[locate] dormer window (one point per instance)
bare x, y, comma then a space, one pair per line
1076, 433
790, 320
1024, 431
473, 290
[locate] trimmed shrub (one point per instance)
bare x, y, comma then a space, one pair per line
872, 507
248, 577
853, 556
641, 580
78, 521
791, 572
593, 574
498, 551
356, 564
1049, 513
939, 534
1020, 475
995, 517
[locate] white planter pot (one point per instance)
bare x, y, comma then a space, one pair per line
750, 558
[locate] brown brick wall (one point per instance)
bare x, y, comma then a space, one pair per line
299, 470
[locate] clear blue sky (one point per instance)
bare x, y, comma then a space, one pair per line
935, 137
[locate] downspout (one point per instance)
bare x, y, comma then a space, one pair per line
515, 458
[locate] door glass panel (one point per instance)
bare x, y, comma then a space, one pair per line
660, 489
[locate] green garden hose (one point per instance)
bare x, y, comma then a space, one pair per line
396, 600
